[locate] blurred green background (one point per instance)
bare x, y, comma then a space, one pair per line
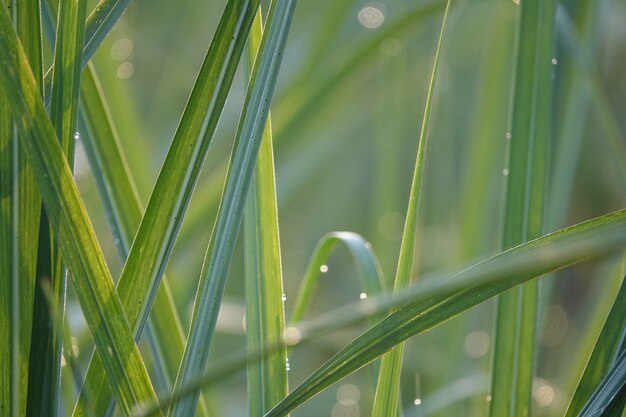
346, 118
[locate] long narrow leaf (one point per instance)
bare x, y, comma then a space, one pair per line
388, 386
610, 392
525, 205
90, 275
25, 203
265, 315
63, 115
221, 247
605, 350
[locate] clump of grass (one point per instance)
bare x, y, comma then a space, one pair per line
158, 340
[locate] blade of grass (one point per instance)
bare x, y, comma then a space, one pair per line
435, 299
243, 160
608, 398
154, 241
605, 351
9, 284
368, 269
20, 212
388, 385
124, 208
90, 276
513, 362
265, 315
63, 115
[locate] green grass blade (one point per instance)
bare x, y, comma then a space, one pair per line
265, 325
605, 350
9, 317
123, 206
435, 299
388, 385
513, 367
243, 161
63, 115
608, 398
440, 298
25, 200
90, 276
368, 269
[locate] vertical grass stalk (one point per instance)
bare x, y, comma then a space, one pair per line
527, 178
388, 386
265, 316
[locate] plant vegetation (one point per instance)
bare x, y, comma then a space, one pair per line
430, 221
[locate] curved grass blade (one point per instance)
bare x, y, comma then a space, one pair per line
515, 334
367, 266
608, 398
436, 300
123, 207
265, 315
450, 294
606, 349
388, 385
90, 276
243, 160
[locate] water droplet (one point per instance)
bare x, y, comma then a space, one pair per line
505, 172
292, 336
554, 61
284, 297
324, 269
417, 401
362, 296
287, 366
488, 398
371, 17
508, 135
368, 245
76, 136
